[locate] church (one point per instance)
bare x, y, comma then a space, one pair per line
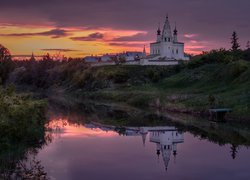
167, 50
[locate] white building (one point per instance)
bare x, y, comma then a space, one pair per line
107, 57
166, 138
91, 59
131, 56
166, 50
166, 143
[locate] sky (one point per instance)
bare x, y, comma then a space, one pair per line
78, 28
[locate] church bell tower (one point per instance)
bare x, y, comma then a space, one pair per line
167, 33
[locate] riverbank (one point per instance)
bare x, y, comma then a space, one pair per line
214, 80
22, 129
122, 115
193, 91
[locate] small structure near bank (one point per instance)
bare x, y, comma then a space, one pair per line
219, 114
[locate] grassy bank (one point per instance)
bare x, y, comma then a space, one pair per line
218, 79
183, 90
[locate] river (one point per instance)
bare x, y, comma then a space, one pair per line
115, 145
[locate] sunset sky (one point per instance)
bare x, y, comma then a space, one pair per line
82, 27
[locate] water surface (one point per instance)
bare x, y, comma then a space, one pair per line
93, 151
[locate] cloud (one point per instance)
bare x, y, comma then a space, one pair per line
23, 55
127, 44
54, 33
61, 50
91, 37
139, 15
195, 48
190, 35
136, 37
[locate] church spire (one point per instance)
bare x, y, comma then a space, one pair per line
175, 34
144, 52
32, 58
159, 33
167, 33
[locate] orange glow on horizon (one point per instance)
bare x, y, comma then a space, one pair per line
14, 38
66, 129
25, 45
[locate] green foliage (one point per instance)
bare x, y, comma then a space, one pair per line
21, 127
232, 71
214, 56
21, 118
211, 100
221, 56
153, 74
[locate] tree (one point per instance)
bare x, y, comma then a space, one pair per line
4, 54
248, 45
6, 64
234, 42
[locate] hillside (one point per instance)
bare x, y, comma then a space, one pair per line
177, 88
186, 90
217, 79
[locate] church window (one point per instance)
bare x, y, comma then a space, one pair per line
165, 147
177, 51
168, 39
165, 39
168, 147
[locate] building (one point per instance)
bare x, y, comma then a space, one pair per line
91, 59
166, 143
166, 138
131, 56
166, 50
107, 57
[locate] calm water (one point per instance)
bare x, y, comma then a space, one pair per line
94, 151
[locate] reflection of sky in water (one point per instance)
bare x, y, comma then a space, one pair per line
77, 152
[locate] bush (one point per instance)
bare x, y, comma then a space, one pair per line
214, 56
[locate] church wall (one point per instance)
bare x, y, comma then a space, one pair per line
145, 62
155, 49
166, 49
178, 51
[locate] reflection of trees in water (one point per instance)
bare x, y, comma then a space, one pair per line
20, 163
30, 169
27, 168
234, 151
235, 135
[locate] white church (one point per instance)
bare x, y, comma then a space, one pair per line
166, 50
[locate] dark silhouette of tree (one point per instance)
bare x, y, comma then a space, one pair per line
6, 64
234, 42
234, 151
248, 45
47, 57
4, 53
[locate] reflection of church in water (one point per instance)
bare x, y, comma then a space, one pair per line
166, 138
